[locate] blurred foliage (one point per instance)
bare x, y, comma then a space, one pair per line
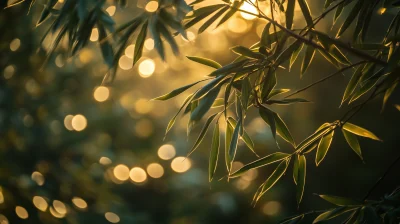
250, 86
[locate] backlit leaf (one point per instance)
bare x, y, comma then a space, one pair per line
353, 142
274, 178
359, 131
213, 161
340, 201
301, 178
308, 57
202, 133
176, 92
323, 147
205, 61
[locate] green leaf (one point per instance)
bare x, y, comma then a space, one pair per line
306, 12
351, 86
230, 68
202, 134
359, 131
176, 92
244, 51
301, 178
272, 158
308, 57
340, 201
204, 104
219, 102
234, 141
246, 92
155, 33
333, 213
296, 168
273, 179
287, 101
275, 92
205, 61
105, 46
215, 83
350, 18
353, 142
338, 11
228, 137
172, 121
388, 93
230, 13
323, 147
268, 116
290, 13
212, 19
202, 13
295, 55
168, 37
46, 11
140, 43
212, 165
324, 129
277, 124
293, 220
269, 83
245, 136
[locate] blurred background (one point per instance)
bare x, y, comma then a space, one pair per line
72, 151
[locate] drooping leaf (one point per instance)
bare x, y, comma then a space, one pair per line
245, 136
333, 213
293, 220
323, 147
308, 57
359, 131
306, 12
269, 83
290, 13
351, 86
340, 201
228, 138
204, 104
295, 55
274, 178
277, 124
168, 37
176, 92
350, 18
353, 142
234, 141
275, 92
246, 92
214, 83
301, 178
105, 46
202, 133
388, 93
287, 101
244, 51
272, 158
230, 13
323, 130
296, 168
213, 19
213, 161
172, 121
205, 61
156, 35
140, 43
202, 13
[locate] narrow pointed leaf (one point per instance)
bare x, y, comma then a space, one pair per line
176, 92
333, 213
213, 161
340, 201
272, 158
323, 147
234, 141
228, 138
308, 57
359, 131
350, 18
290, 13
301, 178
212, 19
172, 121
202, 133
296, 164
306, 12
245, 136
274, 178
353, 142
140, 43
204, 104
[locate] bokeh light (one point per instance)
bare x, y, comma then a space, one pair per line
137, 175
79, 202
40, 203
237, 25
94, 36
181, 164
15, 44
166, 152
248, 8
271, 208
60, 207
54, 213
101, 93
9, 72
105, 161
149, 44
68, 122
125, 62
112, 217
38, 178
130, 51
151, 6
111, 10
147, 68
3, 219
21, 212
79, 122
143, 106
121, 172
155, 170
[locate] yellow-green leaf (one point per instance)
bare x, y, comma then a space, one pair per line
353, 142
340, 201
323, 147
212, 165
301, 178
359, 131
205, 61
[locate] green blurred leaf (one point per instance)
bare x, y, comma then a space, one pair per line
172, 121
202, 13
359, 131
350, 18
275, 92
323, 147
105, 46
244, 51
293, 220
212, 19
333, 213
234, 142
140, 43
213, 161
340, 201
204, 104
287, 101
272, 158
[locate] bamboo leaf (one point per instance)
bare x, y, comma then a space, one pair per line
245, 136
296, 168
306, 12
234, 141
213, 161
333, 213
301, 178
155, 34
269, 83
230, 13
140, 43
359, 131
351, 86
176, 92
202, 134
340, 201
105, 46
287, 101
205, 61
246, 91
324, 129
350, 18
274, 178
353, 142
202, 13
212, 19
308, 57
290, 13
295, 55
272, 158
293, 220
204, 104
172, 121
323, 147
228, 137
244, 51
275, 92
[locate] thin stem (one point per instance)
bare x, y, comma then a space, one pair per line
382, 177
326, 78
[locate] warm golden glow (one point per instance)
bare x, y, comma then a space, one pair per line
248, 8
79, 202
143, 106
40, 203
79, 122
38, 178
181, 164
144, 128
147, 68
112, 217
9, 72
237, 25
94, 36
130, 51
149, 44
151, 6
121, 172
155, 170
271, 208
60, 207
3, 219
190, 36
125, 63
21, 212
105, 161
1, 198
137, 175
101, 93
68, 122
15, 44
166, 152
111, 10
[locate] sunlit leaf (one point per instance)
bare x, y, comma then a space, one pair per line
202, 133
359, 131
245, 136
204, 104
202, 13
353, 142
296, 168
275, 92
205, 61
350, 18
333, 213
295, 55
287, 101
228, 138
213, 19
306, 12
234, 141
172, 121
290, 13
301, 178
213, 161
269, 83
351, 86
244, 51
308, 57
140, 43
293, 220
324, 129
176, 92
323, 147
274, 177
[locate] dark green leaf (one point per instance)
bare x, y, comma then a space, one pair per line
202, 13
172, 121
333, 213
350, 18
212, 19
214, 153
306, 12
244, 51
245, 136
273, 179
353, 142
234, 141
204, 104
269, 83
287, 101
228, 138
340, 201
105, 46
290, 13
308, 57
202, 133
140, 43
